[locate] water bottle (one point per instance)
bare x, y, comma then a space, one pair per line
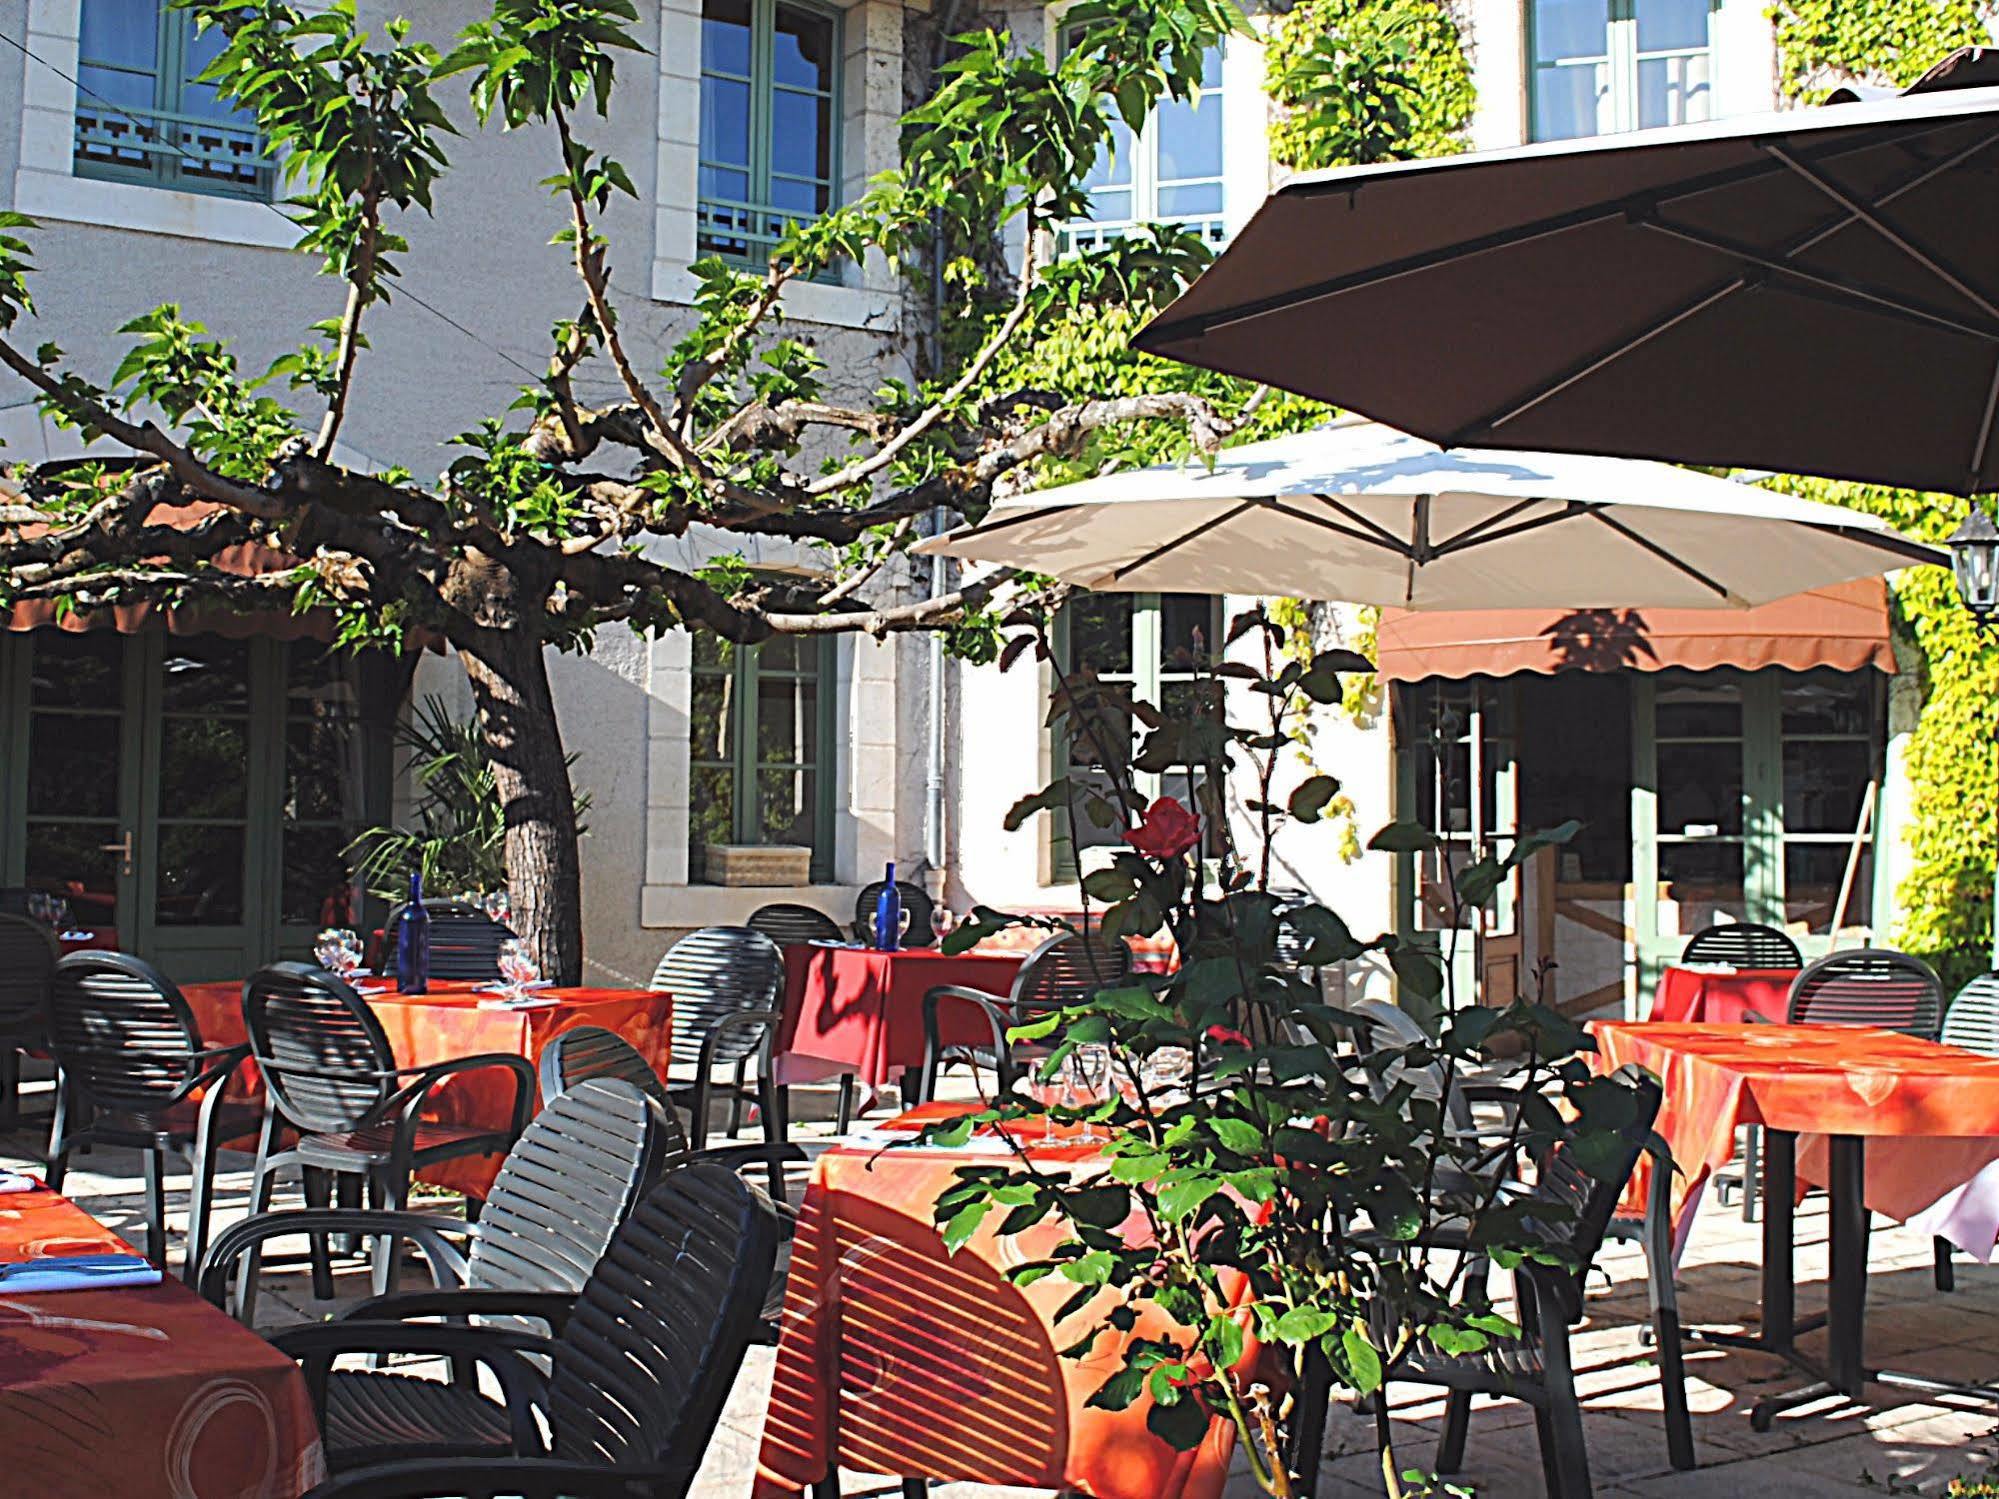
888, 914
412, 936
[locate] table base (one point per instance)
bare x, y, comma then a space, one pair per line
1845, 1371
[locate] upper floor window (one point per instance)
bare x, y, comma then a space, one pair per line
1607, 65
1170, 172
142, 117
769, 122
760, 736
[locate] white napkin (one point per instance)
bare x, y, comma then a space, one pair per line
15, 1181
87, 1272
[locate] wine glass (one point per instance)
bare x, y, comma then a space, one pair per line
338, 951
517, 967
1089, 1069
1050, 1093
941, 922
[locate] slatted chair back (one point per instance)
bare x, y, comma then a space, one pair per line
785, 924
1869, 986
121, 1032
584, 1052
1588, 1196
1067, 968
464, 942
1743, 944
1972, 1021
648, 1356
325, 1058
29, 953
716, 972
914, 900
1389, 1027
574, 1175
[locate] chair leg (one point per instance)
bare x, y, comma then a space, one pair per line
156, 1206
827, 1487
1451, 1441
10, 1087
742, 1082
1565, 1415
844, 1119
1308, 1427
1946, 1272
318, 1189
58, 1162
244, 1303
1673, 1389
915, 1488
349, 1191
392, 1195
201, 1161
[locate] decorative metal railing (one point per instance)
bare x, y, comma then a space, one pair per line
204, 154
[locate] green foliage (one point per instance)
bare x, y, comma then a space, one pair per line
1283, 1158
175, 367
533, 59
14, 258
459, 835
1362, 81
1825, 42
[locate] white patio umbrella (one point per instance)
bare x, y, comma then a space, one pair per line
1359, 512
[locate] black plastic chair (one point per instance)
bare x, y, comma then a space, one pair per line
1535, 1367
132, 1070
1744, 944
727, 984
586, 1052
464, 942
569, 1182
785, 924
1065, 969
329, 1073
29, 953
1972, 1021
1869, 986
641, 1366
914, 900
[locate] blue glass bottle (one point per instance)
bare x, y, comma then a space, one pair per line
412, 936
888, 914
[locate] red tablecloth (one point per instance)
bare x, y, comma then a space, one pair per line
144, 1392
899, 1358
1695, 995
447, 1023
856, 1010
1815, 1080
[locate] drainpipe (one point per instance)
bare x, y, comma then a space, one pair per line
935, 850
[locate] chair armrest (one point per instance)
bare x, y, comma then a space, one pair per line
410, 1098
214, 1065
426, 1230
1756, 1017
551, 1307
740, 1020
990, 1006
316, 1345
531, 1478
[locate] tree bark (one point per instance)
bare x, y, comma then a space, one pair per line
509, 679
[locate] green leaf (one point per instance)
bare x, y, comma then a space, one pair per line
1363, 1363
1224, 1341
1179, 1198
963, 1224
1403, 838
1311, 796
1239, 1135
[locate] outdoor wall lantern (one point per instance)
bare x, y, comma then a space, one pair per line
1974, 558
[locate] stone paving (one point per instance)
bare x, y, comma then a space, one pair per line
1835, 1450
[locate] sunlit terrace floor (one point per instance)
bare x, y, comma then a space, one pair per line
1835, 1450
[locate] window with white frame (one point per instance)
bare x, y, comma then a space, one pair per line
1600, 66
142, 115
1170, 172
769, 122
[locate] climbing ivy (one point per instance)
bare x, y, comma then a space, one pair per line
1360, 81
1945, 903
1822, 43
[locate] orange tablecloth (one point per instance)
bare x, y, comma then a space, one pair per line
856, 1010
143, 1392
1814, 1080
1689, 994
898, 1358
447, 1023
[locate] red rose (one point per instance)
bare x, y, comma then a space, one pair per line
1233, 1038
1167, 831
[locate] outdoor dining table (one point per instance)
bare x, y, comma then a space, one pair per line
1850, 1084
145, 1392
1725, 995
451, 1021
897, 1357
859, 1011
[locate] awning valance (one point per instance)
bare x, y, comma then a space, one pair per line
1844, 626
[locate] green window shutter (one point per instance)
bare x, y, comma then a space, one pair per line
770, 123
140, 115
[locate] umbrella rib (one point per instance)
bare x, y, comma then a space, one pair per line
1118, 574
1984, 443
1867, 215
1383, 539
1378, 533
1484, 533
1200, 324
1662, 554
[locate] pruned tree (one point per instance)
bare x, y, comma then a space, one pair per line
543, 529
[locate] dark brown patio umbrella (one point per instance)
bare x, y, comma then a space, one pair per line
1815, 291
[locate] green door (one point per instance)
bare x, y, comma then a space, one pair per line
193, 792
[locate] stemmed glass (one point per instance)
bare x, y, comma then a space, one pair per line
517, 967
339, 952
1089, 1070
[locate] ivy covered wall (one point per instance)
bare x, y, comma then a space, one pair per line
1823, 43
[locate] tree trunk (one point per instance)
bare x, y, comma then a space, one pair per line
517, 715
